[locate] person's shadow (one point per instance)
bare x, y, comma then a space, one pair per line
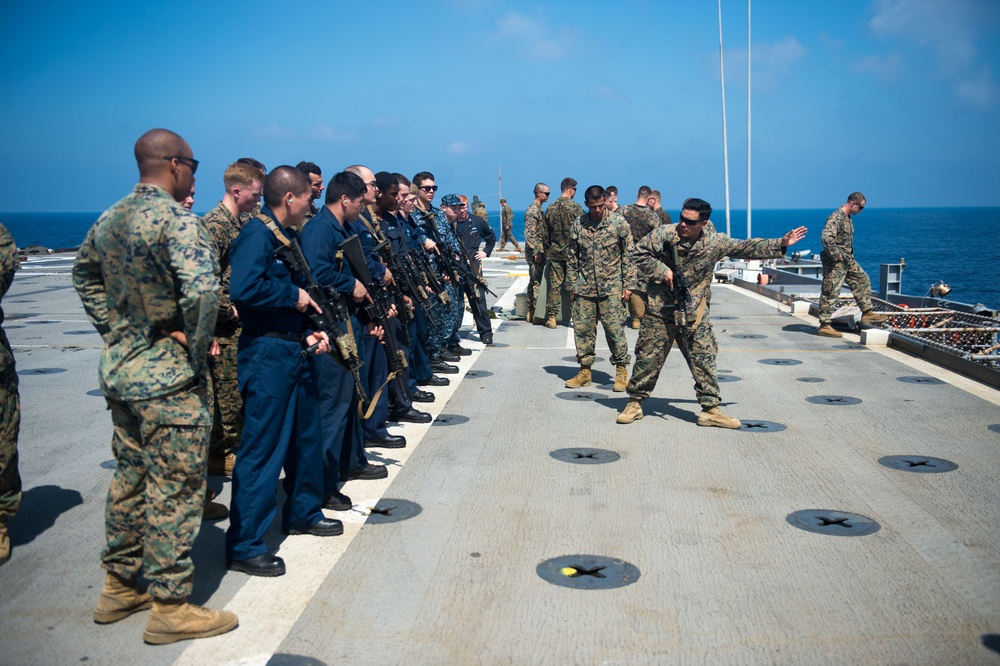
40, 507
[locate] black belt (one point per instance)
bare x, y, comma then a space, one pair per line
281, 335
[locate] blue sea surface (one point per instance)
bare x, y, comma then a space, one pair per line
957, 245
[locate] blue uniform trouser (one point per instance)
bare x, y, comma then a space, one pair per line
420, 364
339, 415
282, 428
446, 324
398, 402
377, 371
457, 294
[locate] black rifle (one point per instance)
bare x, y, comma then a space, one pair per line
425, 270
470, 268
459, 272
378, 311
681, 299
333, 317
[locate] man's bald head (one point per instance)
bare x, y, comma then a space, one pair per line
156, 144
282, 181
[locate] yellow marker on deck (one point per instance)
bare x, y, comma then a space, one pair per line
568, 571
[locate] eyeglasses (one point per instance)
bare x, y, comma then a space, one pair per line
429, 188
372, 185
688, 222
190, 161
545, 193
860, 206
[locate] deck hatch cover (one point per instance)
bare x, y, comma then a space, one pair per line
392, 510
832, 522
919, 380
41, 371
919, 464
450, 419
833, 400
753, 425
577, 395
810, 380
478, 374
780, 361
588, 572
748, 336
585, 456
727, 378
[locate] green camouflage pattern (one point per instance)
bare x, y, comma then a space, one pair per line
223, 228
610, 311
506, 227
599, 256
834, 275
558, 219
10, 399
157, 495
534, 224
556, 275
641, 220
664, 217
147, 268
838, 236
656, 338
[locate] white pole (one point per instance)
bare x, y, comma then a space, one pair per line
725, 137
749, 187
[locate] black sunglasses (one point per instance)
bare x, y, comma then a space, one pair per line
190, 161
429, 188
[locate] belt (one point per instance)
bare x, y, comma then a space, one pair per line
281, 335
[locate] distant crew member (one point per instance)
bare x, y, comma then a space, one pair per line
558, 219
611, 199
641, 220
315, 175
10, 404
506, 226
687, 250
534, 245
472, 232
839, 264
600, 277
146, 276
654, 201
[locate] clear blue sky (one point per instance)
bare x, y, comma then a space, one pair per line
896, 98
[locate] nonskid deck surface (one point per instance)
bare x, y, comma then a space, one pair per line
701, 513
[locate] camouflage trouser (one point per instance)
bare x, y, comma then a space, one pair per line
655, 340
446, 323
227, 421
157, 495
557, 275
834, 274
637, 304
10, 424
534, 277
587, 311
507, 234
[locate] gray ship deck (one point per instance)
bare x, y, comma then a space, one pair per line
701, 512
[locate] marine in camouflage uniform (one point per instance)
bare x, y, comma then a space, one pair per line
559, 218
641, 220
839, 264
666, 321
506, 226
600, 273
534, 245
10, 404
146, 276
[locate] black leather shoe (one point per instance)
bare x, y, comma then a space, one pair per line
370, 473
338, 501
422, 396
445, 355
262, 565
411, 416
434, 381
444, 368
486, 339
322, 527
460, 350
387, 442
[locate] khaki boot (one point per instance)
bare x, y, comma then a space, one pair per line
550, 321
828, 331
582, 379
636, 323
713, 417
872, 317
621, 379
221, 464
632, 412
119, 599
4, 539
530, 317
176, 620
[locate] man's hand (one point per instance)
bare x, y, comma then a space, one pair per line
793, 237
233, 313
387, 278
305, 301
215, 349
668, 278
359, 293
626, 293
430, 246
480, 255
178, 336
322, 339
392, 311
374, 330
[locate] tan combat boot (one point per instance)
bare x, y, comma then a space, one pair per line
530, 317
828, 331
176, 620
713, 417
550, 321
221, 464
872, 317
636, 323
632, 412
4, 539
621, 379
582, 379
119, 599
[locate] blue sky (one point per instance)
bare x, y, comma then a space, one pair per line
896, 98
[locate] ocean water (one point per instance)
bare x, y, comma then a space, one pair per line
957, 245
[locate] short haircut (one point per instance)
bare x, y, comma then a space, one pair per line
309, 167
239, 173
345, 184
503, 201
282, 180
402, 180
254, 163
538, 188
611, 189
384, 180
856, 197
594, 193
423, 176
567, 184
644, 191
700, 206
656, 193
155, 145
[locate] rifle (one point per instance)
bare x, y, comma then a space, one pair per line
378, 311
333, 318
681, 296
470, 270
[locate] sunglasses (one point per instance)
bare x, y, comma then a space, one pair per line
429, 188
190, 161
